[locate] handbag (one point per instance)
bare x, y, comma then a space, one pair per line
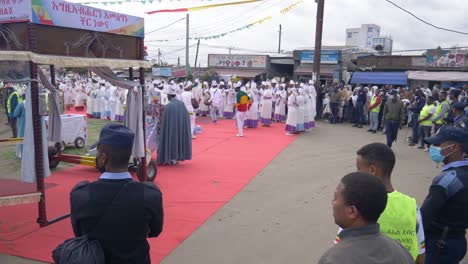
195, 103
83, 249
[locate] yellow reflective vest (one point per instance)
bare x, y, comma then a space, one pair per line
438, 110
398, 221
377, 108
20, 99
424, 113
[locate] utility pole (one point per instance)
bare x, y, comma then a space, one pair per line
230, 48
187, 63
279, 43
318, 38
159, 57
178, 61
196, 55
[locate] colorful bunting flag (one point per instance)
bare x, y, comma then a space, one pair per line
198, 8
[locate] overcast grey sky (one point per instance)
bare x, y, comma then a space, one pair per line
298, 24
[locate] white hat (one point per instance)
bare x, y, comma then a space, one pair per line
292, 82
311, 82
274, 80
221, 83
264, 83
205, 83
187, 84
214, 83
197, 80
172, 89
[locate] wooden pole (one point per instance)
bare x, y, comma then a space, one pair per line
318, 38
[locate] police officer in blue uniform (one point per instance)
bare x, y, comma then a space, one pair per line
460, 118
445, 209
122, 226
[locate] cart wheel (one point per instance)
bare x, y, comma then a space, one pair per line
53, 161
79, 142
151, 171
62, 146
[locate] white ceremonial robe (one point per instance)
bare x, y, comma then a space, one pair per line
291, 121
187, 100
267, 106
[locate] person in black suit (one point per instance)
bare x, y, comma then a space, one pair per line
122, 227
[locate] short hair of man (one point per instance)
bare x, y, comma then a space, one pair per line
379, 154
119, 157
367, 193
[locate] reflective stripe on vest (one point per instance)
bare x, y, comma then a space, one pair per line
438, 110
424, 113
377, 108
398, 221
20, 99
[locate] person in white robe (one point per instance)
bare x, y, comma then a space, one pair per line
300, 110
79, 97
267, 105
291, 121
281, 100
204, 109
216, 100
121, 104
114, 95
68, 95
105, 93
89, 99
197, 93
312, 108
230, 100
307, 112
97, 98
222, 88
252, 114
187, 96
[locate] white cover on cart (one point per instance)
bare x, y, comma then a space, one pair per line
28, 170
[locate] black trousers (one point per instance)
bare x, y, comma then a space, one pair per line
391, 131
14, 128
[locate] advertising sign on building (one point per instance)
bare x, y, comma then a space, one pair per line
327, 56
445, 58
162, 72
15, 10
237, 61
178, 72
70, 15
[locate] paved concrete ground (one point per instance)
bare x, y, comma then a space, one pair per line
284, 215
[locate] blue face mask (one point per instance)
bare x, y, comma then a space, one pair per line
436, 155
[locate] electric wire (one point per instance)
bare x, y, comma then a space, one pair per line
424, 21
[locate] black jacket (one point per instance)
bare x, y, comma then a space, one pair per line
123, 232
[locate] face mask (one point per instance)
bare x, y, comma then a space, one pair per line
436, 155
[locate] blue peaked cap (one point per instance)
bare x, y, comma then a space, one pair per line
116, 136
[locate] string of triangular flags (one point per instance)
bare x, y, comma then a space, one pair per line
258, 22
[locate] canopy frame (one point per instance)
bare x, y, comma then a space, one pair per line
26, 41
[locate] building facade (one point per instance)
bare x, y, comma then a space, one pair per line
368, 36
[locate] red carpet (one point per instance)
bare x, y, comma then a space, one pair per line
222, 165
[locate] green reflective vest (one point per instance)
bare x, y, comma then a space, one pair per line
377, 108
398, 221
438, 110
20, 99
424, 113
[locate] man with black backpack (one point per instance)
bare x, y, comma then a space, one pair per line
116, 211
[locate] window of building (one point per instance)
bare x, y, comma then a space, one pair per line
369, 30
350, 34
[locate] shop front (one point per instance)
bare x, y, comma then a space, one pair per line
243, 66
